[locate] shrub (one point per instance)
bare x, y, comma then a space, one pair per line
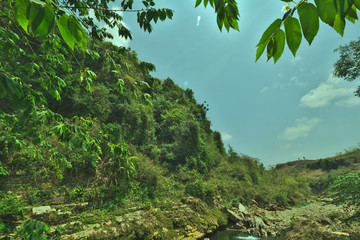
10, 206
346, 189
281, 198
32, 229
333, 215
201, 189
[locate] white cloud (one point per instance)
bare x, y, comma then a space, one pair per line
296, 60
287, 146
225, 137
301, 129
264, 89
282, 82
295, 80
326, 92
350, 102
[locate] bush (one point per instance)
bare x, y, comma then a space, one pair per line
281, 198
201, 189
346, 189
32, 229
10, 206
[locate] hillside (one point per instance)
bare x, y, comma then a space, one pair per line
321, 172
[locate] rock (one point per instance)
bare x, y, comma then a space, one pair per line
341, 234
241, 208
327, 200
234, 216
259, 223
41, 210
119, 219
195, 204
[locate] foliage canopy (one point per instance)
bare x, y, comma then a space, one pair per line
348, 64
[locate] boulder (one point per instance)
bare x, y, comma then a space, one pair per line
242, 209
235, 216
41, 210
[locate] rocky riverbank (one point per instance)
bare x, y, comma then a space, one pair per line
314, 220
188, 219
192, 219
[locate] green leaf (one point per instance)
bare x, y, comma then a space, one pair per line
47, 23
9, 86
77, 31
14, 87
206, 3
234, 24
20, 13
352, 14
197, 3
220, 23
293, 34
36, 16
339, 24
3, 85
259, 51
226, 24
357, 4
269, 32
169, 13
55, 94
309, 20
39, 2
62, 24
342, 7
326, 10
280, 44
271, 48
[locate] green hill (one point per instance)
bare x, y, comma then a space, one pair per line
321, 172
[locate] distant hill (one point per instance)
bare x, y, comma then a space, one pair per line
321, 171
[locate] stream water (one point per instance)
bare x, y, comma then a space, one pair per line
235, 235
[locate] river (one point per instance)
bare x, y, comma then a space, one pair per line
236, 235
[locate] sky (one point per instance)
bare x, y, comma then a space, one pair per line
274, 112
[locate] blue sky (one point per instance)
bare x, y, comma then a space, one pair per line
276, 113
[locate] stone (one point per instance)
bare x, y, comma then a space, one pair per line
119, 219
233, 216
341, 234
259, 223
41, 210
242, 209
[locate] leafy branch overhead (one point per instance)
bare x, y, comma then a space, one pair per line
332, 12
71, 17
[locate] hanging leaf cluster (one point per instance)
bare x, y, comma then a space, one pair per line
332, 12
227, 13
